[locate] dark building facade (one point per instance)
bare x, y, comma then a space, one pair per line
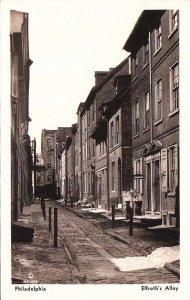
21, 156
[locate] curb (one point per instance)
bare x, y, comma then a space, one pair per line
112, 234
121, 239
172, 269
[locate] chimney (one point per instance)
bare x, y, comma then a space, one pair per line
99, 76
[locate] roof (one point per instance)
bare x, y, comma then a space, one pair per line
144, 22
98, 87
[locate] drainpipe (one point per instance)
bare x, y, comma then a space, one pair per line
151, 112
107, 154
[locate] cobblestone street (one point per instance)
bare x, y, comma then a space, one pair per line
83, 255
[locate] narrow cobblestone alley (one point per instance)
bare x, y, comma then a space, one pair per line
84, 254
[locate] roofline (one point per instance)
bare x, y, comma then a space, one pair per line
147, 17
96, 88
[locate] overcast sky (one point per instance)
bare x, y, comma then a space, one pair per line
68, 42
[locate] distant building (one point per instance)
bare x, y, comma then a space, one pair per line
98, 135
21, 156
154, 47
48, 152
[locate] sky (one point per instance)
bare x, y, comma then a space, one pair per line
68, 41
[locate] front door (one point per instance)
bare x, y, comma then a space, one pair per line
157, 186
149, 186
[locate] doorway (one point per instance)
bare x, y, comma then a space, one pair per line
157, 186
148, 186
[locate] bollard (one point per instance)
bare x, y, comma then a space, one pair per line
130, 221
113, 215
55, 227
49, 218
71, 202
44, 211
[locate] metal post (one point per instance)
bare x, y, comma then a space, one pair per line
49, 218
71, 202
113, 215
55, 227
131, 221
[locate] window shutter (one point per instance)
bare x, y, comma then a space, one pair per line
176, 164
134, 167
141, 180
164, 171
134, 173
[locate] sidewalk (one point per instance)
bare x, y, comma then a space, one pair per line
39, 261
143, 239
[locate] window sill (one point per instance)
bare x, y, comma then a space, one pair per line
157, 51
158, 122
144, 67
174, 112
147, 129
172, 33
136, 136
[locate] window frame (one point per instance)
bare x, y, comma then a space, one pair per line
158, 99
146, 54
146, 111
136, 118
173, 24
117, 131
158, 38
174, 88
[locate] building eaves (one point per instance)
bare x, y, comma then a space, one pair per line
98, 87
144, 22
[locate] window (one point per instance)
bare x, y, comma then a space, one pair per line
112, 135
146, 54
147, 110
173, 19
136, 118
158, 38
135, 65
158, 99
113, 175
137, 172
117, 130
174, 87
38, 179
173, 161
88, 116
49, 164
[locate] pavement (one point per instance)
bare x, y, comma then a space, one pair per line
26, 256
143, 239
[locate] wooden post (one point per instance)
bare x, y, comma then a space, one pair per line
131, 221
113, 215
55, 227
49, 218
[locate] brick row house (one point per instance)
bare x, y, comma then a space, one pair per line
21, 154
127, 131
154, 48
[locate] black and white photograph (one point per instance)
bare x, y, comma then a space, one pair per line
92, 139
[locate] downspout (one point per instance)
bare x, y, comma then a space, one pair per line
151, 112
108, 173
